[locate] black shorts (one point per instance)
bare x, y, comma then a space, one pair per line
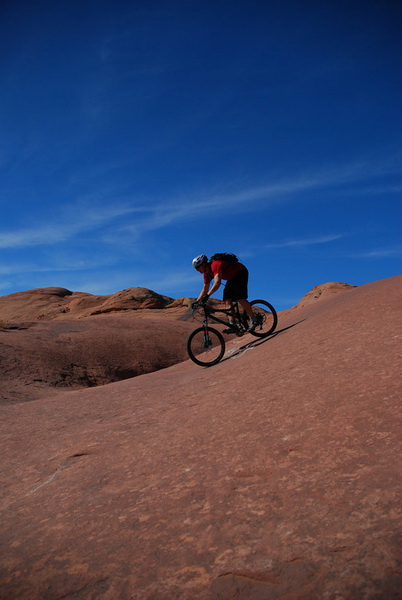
236, 288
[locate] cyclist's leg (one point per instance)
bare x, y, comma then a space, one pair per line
245, 304
232, 323
237, 289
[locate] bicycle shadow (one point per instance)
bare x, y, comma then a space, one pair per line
256, 342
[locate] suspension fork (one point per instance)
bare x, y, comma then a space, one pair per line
205, 323
207, 339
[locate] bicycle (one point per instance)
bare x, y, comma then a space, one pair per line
206, 345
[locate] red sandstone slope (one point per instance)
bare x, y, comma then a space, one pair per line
45, 304
324, 291
72, 340
271, 475
38, 359
53, 339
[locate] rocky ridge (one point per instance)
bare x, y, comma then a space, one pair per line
55, 339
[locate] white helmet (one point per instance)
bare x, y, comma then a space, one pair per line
198, 260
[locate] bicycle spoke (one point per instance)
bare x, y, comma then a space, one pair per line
266, 318
206, 346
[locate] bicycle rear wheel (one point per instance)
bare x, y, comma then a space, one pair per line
206, 346
266, 317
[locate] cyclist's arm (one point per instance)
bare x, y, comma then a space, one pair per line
216, 285
203, 292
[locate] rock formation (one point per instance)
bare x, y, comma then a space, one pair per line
273, 475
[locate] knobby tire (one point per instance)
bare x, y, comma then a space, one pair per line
206, 346
268, 316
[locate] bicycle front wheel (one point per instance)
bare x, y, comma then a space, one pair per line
206, 346
266, 316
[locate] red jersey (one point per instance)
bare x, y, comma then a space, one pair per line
229, 270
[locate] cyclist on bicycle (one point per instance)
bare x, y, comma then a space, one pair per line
236, 275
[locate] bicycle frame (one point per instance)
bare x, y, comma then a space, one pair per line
233, 311
206, 345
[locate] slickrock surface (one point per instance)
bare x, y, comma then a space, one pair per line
50, 339
39, 358
59, 303
323, 291
273, 475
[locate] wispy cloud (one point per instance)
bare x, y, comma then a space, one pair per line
309, 241
395, 252
4, 285
208, 202
63, 266
94, 283
73, 222
373, 190
147, 215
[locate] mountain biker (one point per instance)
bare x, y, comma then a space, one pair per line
236, 275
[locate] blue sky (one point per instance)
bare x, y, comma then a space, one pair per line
136, 135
